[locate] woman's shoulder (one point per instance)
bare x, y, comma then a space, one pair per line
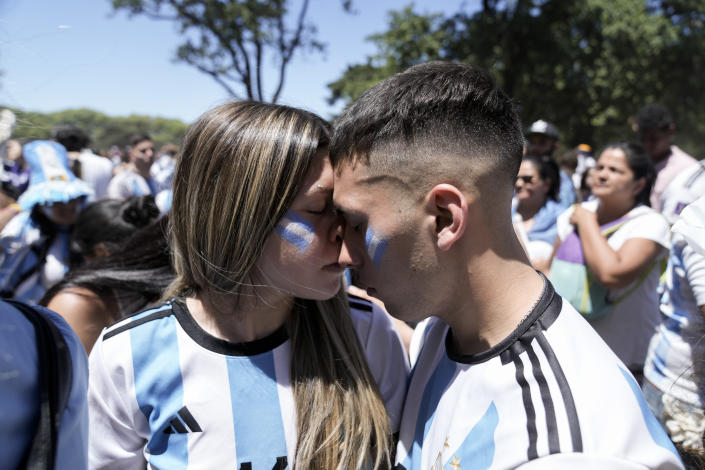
643, 215
138, 319
644, 222
374, 326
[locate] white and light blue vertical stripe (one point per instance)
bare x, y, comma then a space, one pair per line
159, 389
257, 419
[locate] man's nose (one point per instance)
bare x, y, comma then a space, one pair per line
347, 256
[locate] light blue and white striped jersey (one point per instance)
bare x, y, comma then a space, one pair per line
551, 387
673, 363
164, 391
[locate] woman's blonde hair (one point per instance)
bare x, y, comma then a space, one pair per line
241, 166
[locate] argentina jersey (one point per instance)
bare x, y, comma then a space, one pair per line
164, 391
551, 392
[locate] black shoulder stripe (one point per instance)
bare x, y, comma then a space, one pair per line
359, 305
356, 297
554, 445
532, 451
153, 316
567, 394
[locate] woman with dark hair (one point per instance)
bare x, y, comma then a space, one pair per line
256, 358
616, 243
107, 289
105, 224
537, 208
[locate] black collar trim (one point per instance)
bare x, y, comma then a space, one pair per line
221, 346
543, 315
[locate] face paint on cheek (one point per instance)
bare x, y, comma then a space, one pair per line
375, 247
296, 230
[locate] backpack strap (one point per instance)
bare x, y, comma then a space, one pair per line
55, 379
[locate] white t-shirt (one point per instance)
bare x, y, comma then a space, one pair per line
628, 328
165, 392
127, 184
551, 388
96, 171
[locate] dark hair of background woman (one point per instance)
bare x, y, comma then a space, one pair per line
110, 222
134, 275
548, 169
641, 165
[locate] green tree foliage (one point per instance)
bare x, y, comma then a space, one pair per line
105, 131
587, 65
230, 40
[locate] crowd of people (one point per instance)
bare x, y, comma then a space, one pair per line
423, 283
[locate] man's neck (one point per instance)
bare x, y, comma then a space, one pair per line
656, 159
500, 294
143, 173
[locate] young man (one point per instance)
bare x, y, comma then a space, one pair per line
655, 126
135, 180
506, 372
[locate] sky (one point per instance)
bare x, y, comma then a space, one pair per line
67, 54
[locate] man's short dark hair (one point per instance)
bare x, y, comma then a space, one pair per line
431, 109
137, 138
72, 137
654, 115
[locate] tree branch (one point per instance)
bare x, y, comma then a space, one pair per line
288, 52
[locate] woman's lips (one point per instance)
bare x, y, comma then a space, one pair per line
334, 268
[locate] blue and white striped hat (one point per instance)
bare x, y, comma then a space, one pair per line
50, 178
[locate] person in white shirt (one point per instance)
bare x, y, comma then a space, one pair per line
135, 179
506, 372
95, 170
622, 243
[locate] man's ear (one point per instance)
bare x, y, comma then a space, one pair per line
450, 208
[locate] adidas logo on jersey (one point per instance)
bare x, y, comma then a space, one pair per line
182, 423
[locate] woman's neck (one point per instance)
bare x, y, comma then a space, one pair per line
612, 210
527, 210
240, 318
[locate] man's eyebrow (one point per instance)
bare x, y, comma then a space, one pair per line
348, 212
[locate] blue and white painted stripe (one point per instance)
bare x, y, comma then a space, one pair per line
376, 247
296, 230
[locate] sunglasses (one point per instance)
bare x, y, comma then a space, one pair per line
527, 179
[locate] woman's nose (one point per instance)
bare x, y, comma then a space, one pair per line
337, 228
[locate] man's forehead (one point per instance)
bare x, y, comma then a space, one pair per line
354, 187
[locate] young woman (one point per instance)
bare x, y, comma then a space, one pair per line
621, 241
255, 361
536, 192
103, 225
105, 290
